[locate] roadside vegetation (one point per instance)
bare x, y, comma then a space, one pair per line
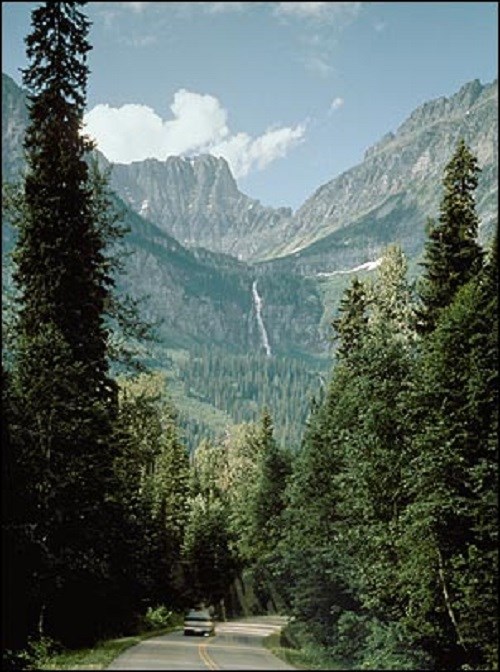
45, 654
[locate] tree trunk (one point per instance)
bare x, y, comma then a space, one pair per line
41, 621
447, 600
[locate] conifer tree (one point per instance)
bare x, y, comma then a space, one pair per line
63, 275
350, 325
392, 308
450, 531
268, 503
452, 255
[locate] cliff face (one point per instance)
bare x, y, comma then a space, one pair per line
197, 201
14, 121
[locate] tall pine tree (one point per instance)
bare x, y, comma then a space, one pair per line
350, 325
452, 254
60, 368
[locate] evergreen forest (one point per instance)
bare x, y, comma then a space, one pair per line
375, 531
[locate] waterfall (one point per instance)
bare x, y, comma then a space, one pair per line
258, 311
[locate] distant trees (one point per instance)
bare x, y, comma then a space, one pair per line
244, 384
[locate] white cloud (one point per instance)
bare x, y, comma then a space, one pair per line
199, 125
320, 24
301, 9
318, 10
244, 154
224, 7
136, 7
318, 64
336, 104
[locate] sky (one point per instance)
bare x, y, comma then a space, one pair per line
291, 94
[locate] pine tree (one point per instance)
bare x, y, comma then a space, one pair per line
350, 325
450, 530
452, 255
63, 275
268, 504
392, 309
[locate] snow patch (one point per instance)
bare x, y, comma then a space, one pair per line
367, 266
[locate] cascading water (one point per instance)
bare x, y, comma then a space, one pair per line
258, 311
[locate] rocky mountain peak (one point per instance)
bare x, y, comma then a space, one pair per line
437, 110
197, 201
400, 180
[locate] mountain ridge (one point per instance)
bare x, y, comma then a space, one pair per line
197, 200
407, 162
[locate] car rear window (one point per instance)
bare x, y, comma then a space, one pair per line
197, 616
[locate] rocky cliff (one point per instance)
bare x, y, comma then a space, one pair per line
197, 201
14, 121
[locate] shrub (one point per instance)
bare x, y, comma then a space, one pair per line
158, 617
388, 647
36, 654
352, 631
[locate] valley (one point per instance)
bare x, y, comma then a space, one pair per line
243, 294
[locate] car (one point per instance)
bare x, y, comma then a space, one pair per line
199, 623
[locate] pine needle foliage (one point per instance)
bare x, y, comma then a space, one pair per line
452, 254
60, 379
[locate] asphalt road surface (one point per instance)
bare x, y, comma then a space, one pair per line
237, 645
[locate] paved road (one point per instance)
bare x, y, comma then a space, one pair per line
237, 645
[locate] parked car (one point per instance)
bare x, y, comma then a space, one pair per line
199, 623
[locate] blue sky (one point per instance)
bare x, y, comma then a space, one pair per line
292, 94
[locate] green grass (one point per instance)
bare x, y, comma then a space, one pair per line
307, 658
97, 657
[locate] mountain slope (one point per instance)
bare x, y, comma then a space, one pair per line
206, 298
389, 196
14, 121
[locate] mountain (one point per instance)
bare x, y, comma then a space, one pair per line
389, 196
14, 121
201, 296
197, 201
207, 298
207, 302
227, 276
347, 221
